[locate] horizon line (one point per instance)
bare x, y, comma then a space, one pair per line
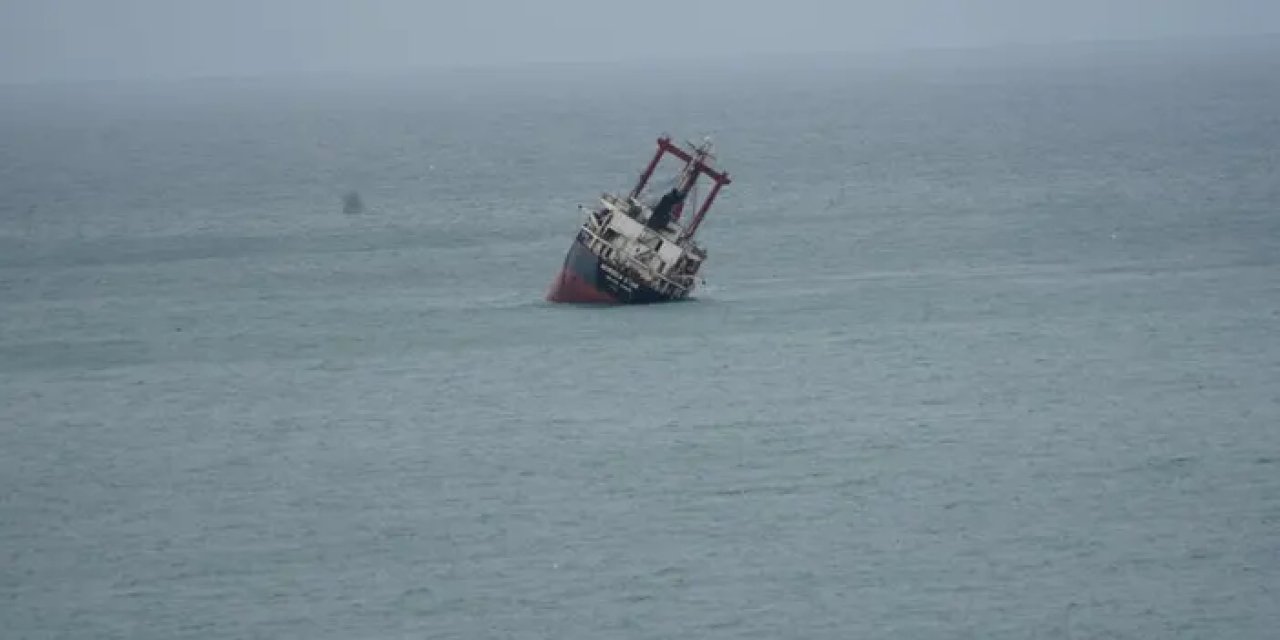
652, 62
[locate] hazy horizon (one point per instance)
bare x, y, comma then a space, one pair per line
81, 40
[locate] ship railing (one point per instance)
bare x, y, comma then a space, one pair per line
632, 207
640, 266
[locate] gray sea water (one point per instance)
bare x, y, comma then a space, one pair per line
989, 348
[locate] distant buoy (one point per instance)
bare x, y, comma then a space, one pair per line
351, 203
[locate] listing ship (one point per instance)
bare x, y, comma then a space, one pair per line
629, 251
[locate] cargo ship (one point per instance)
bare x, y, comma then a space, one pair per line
635, 249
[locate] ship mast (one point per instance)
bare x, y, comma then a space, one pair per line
697, 163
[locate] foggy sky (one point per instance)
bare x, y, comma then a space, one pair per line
43, 40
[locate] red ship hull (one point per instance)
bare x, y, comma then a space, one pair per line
586, 279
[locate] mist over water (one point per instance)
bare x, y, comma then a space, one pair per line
989, 347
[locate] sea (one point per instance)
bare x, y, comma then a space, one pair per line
988, 347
